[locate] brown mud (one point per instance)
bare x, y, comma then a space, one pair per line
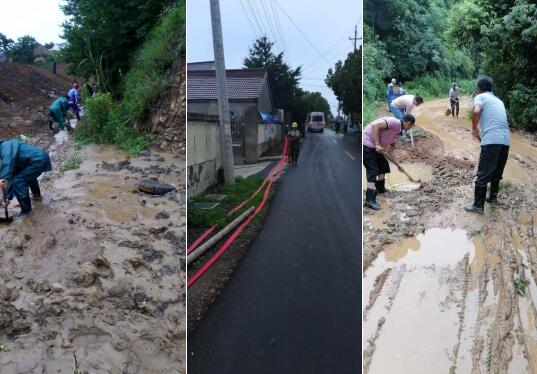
93, 279
445, 290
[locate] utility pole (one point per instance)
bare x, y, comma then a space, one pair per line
356, 38
226, 144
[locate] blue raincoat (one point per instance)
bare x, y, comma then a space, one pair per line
21, 164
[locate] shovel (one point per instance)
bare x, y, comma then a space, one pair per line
417, 181
7, 218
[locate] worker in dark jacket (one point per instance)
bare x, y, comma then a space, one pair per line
58, 112
21, 164
294, 141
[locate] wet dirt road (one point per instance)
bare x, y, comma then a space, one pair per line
292, 305
97, 271
445, 290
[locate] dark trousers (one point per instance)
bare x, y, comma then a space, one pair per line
76, 110
492, 160
26, 179
295, 150
454, 106
375, 163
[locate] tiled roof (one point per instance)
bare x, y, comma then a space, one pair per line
242, 84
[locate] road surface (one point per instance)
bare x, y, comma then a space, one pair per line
293, 304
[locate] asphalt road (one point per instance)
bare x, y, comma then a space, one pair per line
293, 305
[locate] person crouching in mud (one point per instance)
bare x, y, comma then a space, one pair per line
490, 128
58, 112
21, 164
379, 138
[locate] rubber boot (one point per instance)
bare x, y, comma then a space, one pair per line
36, 191
381, 186
50, 123
493, 196
370, 199
478, 206
26, 206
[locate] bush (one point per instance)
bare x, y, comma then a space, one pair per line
97, 126
522, 108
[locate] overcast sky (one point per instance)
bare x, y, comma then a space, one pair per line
326, 24
41, 19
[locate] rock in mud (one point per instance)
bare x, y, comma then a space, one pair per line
86, 276
162, 215
154, 187
149, 253
57, 287
118, 166
9, 294
39, 287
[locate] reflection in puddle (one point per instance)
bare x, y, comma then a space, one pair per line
439, 247
398, 181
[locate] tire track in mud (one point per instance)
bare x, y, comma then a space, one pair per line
493, 327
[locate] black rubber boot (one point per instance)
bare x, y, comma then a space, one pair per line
480, 192
36, 191
370, 199
493, 196
381, 186
50, 123
26, 206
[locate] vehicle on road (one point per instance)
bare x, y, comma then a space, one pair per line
315, 122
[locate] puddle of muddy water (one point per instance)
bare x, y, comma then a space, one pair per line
417, 303
398, 181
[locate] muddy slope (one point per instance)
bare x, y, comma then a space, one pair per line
97, 271
445, 290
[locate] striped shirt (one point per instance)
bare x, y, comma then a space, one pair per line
388, 136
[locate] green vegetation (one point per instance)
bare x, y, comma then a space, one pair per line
407, 40
102, 36
235, 194
123, 122
72, 162
21, 51
345, 80
428, 44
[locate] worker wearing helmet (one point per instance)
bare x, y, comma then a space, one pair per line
294, 142
74, 97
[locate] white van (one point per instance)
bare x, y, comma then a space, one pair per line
315, 122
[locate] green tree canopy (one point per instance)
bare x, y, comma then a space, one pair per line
102, 36
5, 44
310, 102
22, 51
283, 79
346, 82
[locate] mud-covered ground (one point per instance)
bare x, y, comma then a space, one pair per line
445, 290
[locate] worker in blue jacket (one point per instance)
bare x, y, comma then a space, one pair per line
74, 97
20, 165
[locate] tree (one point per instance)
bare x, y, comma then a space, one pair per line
310, 102
22, 51
282, 79
5, 44
102, 36
346, 82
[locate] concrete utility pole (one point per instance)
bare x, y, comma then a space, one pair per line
226, 144
356, 38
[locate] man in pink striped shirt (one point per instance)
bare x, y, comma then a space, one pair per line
379, 138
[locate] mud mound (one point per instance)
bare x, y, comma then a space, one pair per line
30, 86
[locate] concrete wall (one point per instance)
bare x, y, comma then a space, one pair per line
203, 147
268, 136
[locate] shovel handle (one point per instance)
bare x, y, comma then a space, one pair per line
400, 167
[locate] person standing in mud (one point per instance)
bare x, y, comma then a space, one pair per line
74, 97
294, 142
454, 99
58, 112
21, 165
379, 138
490, 127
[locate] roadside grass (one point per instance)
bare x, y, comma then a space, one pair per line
371, 110
235, 194
72, 162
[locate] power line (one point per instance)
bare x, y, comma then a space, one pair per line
271, 28
299, 30
248, 18
255, 17
278, 25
